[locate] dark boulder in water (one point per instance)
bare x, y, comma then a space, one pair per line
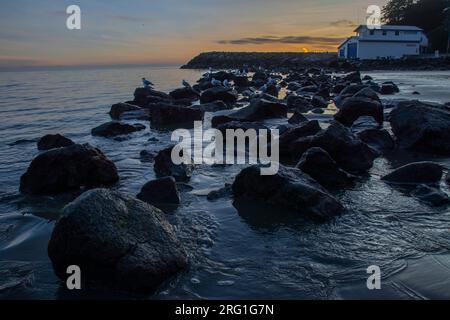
319, 102
355, 107
297, 118
226, 95
164, 166
66, 169
318, 164
163, 115
144, 96
350, 153
318, 111
185, 93
309, 128
260, 109
364, 123
431, 196
115, 128
119, 108
52, 141
422, 127
118, 242
226, 191
297, 103
160, 191
388, 88
378, 139
290, 188
416, 173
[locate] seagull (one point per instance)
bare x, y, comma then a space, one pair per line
226, 83
147, 83
186, 84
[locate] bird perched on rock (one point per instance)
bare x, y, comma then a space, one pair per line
146, 83
226, 83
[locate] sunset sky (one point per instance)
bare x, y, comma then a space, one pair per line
34, 33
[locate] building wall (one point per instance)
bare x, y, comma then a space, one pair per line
375, 50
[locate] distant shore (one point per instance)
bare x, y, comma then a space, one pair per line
293, 60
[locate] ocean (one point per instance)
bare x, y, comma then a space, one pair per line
236, 250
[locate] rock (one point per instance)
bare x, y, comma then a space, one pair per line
416, 93
241, 81
52, 141
235, 125
160, 191
422, 127
367, 78
68, 168
416, 173
260, 76
388, 88
380, 140
213, 106
218, 93
355, 107
348, 92
367, 93
115, 128
317, 111
273, 90
364, 123
185, 93
164, 115
353, 77
260, 109
147, 156
165, 167
447, 179
117, 241
144, 96
297, 118
143, 114
218, 120
221, 193
318, 164
289, 188
431, 196
298, 103
119, 108
305, 129
319, 102
350, 153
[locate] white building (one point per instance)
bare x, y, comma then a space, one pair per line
389, 41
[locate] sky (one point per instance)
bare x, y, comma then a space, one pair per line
123, 32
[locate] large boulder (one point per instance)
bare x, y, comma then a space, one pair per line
119, 108
185, 93
318, 164
144, 96
297, 103
319, 102
289, 188
68, 168
163, 115
160, 191
260, 109
118, 242
115, 128
416, 173
423, 127
297, 118
378, 139
355, 107
350, 153
52, 141
226, 95
304, 129
164, 166
213, 106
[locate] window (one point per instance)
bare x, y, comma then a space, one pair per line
384, 32
372, 32
397, 33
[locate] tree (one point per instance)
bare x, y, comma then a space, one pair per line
395, 10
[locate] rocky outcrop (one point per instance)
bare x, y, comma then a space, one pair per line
431, 196
115, 128
318, 164
67, 169
120, 108
287, 139
416, 173
226, 95
166, 115
117, 241
355, 107
184, 93
213, 106
165, 167
260, 109
290, 188
52, 141
160, 191
422, 127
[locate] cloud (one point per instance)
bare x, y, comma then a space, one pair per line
128, 18
285, 40
343, 24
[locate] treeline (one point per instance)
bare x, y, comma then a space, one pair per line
429, 15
